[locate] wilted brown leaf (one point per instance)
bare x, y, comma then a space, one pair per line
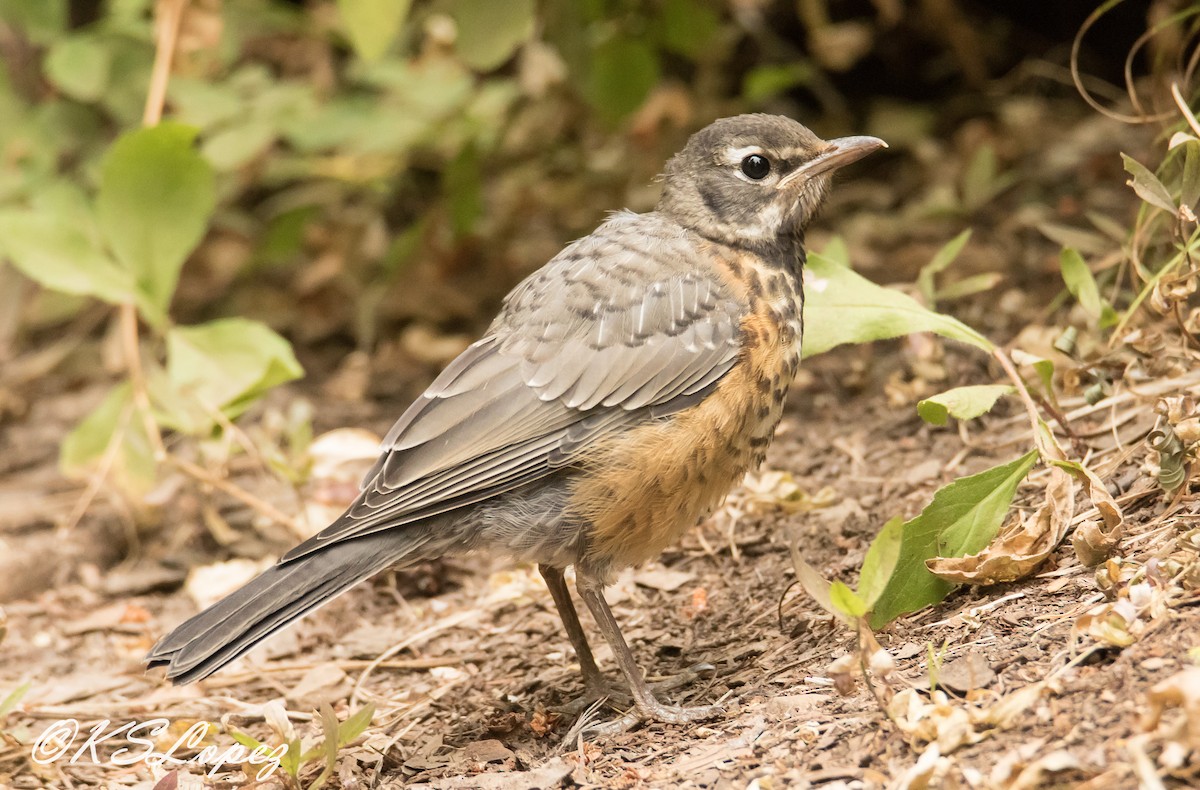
1178, 691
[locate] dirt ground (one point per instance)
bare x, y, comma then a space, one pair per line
468, 666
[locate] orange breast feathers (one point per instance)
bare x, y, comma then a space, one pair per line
643, 488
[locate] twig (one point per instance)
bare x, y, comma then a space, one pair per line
168, 22
240, 494
1188, 115
167, 34
1030, 407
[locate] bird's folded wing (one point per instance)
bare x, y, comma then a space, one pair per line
608, 334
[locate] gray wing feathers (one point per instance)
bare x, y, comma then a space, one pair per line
616, 329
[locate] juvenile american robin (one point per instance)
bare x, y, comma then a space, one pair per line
624, 389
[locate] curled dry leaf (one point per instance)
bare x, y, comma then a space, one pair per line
1022, 545
1096, 540
1178, 691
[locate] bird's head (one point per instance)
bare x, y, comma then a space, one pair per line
754, 179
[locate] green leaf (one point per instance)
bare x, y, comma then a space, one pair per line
354, 726
246, 740
227, 364
962, 519
766, 82
41, 21
79, 66
689, 27
237, 145
290, 761
847, 601
942, 259
1044, 368
842, 306
490, 32
464, 191
1189, 190
1147, 185
114, 423
623, 72
372, 25
156, 195
56, 253
961, 403
968, 286
880, 561
1082, 285
1079, 280
13, 698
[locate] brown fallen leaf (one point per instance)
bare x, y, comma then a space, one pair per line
1095, 541
1181, 690
1023, 545
1020, 546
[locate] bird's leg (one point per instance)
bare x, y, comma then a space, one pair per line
592, 592
593, 679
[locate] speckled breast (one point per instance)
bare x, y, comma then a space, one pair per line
654, 482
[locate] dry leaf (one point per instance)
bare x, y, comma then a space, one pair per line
1022, 545
1181, 690
1095, 541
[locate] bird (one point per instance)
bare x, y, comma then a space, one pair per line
623, 390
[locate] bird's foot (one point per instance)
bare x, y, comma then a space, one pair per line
598, 688
601, 692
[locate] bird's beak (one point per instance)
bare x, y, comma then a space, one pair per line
841, 151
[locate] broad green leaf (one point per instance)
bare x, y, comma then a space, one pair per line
79, 66
1147, 185
228, 363
962, 519
1082, 285
880, 561
57, 254
114, 422
942, 259
623, 71
842, 306
372, 25
847, 601
156, 195
961, 403
490, 32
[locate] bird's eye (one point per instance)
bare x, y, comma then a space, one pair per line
756, 167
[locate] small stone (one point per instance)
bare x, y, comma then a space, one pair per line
968, 672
